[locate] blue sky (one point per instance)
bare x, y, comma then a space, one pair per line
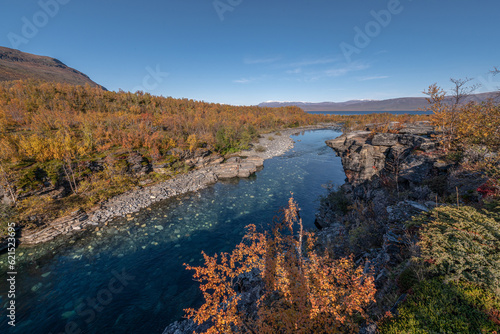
248, 51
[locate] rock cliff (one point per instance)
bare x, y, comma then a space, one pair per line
410, 153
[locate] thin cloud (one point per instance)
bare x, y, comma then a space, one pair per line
374, 78
294, 71
243, 81
250, 80
338, 71
253, 61
312, 62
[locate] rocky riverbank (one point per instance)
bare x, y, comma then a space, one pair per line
208, 170
391, 177
385, 185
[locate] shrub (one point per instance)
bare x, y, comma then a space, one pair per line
407, 279
463, 244
32, 178
7, 214
336, 200
260, 149
437, 307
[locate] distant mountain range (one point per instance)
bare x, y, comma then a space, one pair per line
399, 104
17, 65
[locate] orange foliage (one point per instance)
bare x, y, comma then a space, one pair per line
35, 116
480, 124
470, 123
304, 291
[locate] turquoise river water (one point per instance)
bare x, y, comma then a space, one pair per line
128, 277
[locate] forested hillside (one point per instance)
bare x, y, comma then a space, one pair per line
64, 147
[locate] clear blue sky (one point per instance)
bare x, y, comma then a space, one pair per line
249, 51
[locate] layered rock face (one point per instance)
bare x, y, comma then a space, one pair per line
366, 154
390, 178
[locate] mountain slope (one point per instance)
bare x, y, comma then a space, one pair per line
399, 104
17, 65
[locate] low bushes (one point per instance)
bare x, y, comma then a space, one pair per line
437, 307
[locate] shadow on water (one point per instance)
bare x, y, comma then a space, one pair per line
128, 277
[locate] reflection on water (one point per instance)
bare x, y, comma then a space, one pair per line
128, 277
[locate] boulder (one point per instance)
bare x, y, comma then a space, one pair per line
237, 167
415, 168
404, 210
138, 164
5, 196
385, 139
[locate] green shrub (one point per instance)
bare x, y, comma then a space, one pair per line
437, 307
454, 156
31, 178
230, 140
7, 215
463, 244
337, 200
407, 279
260, 149
54, 171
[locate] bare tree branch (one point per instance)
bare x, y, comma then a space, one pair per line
461, 91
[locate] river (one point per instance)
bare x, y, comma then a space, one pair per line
128, 277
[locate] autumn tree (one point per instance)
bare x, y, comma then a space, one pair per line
446, 110
303, 290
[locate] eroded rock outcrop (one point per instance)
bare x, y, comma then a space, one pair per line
391, 177
365, 154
